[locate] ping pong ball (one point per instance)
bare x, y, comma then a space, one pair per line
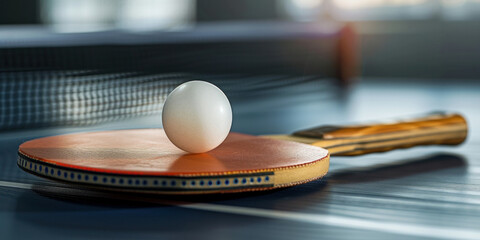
197, 116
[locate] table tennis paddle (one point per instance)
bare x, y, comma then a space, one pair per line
144, 160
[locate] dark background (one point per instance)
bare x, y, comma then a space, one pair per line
393, 44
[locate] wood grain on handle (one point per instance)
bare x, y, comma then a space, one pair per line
432, 129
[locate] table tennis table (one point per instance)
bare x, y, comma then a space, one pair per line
420, 193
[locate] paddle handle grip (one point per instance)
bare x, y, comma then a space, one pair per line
432, 129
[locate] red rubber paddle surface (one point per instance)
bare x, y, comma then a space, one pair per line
149, 152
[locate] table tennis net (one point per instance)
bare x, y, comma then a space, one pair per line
32, 99
35, 99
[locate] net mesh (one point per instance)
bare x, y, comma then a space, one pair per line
45, 98
32, 99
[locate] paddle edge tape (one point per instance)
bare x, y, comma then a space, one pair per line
224, 183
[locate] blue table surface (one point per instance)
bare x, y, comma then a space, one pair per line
424, 193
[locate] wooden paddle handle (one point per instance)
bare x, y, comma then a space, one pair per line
433, 129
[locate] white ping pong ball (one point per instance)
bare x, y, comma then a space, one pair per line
197, 116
